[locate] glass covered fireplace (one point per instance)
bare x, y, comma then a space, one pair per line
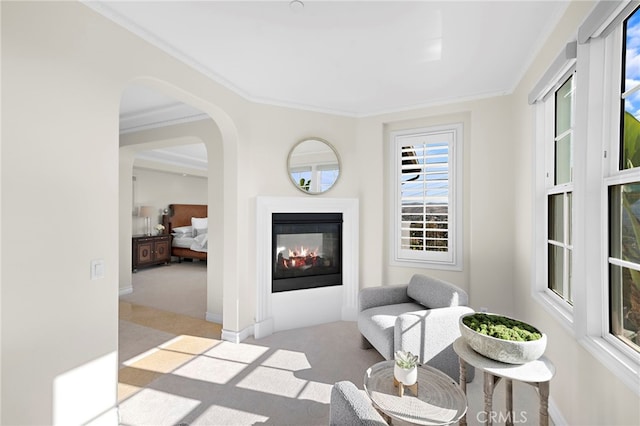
307, 250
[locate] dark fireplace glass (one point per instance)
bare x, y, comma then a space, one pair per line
307, 250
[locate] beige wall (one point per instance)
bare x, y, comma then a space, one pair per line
487, 259
60, 98
159, 189
62, 80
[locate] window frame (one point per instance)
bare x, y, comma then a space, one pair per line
550, 138
545, 186
596, 160
614, 174
425, 259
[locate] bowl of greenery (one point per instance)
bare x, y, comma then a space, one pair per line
502, 338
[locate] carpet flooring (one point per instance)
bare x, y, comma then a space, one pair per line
175, 370
179, 287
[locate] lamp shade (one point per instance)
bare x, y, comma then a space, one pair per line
146, 211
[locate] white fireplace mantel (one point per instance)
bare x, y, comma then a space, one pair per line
302, 308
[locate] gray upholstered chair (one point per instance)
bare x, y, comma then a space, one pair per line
420, 317
350, 406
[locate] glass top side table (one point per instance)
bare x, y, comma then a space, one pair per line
440, 401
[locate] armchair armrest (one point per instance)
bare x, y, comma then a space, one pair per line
350, 406
371, 297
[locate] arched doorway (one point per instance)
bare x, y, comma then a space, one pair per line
157, 125
205, 131
222, 169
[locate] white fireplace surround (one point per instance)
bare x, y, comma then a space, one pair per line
302, 308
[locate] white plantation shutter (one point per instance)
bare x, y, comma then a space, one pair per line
425, 208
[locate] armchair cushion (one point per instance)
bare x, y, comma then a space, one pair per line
430, 334
377, 325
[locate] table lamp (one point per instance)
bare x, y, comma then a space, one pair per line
146, 212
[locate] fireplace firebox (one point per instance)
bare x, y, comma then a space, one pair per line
307, 250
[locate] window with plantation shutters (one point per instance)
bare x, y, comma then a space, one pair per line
427, 203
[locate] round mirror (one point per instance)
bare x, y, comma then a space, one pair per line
313, 166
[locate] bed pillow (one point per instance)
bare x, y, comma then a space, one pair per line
200, 242
182, 231
198, 224
197, 231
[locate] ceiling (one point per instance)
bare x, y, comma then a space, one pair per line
353, 58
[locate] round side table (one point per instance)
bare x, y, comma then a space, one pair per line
439, 400
537, 373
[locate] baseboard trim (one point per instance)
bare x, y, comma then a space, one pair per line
349, 313
237, 336
263, 328
555, 414
217, 318
125, 290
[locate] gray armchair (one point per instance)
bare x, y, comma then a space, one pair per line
420, 317
350, 406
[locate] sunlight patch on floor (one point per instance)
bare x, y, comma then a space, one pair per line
161, 407
273, 381
287, 360
211, 370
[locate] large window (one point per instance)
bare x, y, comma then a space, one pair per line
427, 193
587, 180
624, 198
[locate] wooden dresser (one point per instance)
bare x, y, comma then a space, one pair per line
150, 250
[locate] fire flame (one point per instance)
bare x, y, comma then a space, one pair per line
302, 252
300, 258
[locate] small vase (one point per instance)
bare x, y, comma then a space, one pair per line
406, 376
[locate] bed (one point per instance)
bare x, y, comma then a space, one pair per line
188, 241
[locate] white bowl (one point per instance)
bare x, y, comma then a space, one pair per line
509, 351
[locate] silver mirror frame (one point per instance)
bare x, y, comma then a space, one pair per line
289, 165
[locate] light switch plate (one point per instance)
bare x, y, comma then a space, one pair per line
97, 269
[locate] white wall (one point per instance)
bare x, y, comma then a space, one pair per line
159, 189
63, 72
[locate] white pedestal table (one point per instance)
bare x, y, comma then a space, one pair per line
537, 373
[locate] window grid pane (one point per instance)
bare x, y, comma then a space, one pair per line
624, 313
556, 269
556, 217
564, 107
563, 164
630, 96
563, 135
624, 245
559, 267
